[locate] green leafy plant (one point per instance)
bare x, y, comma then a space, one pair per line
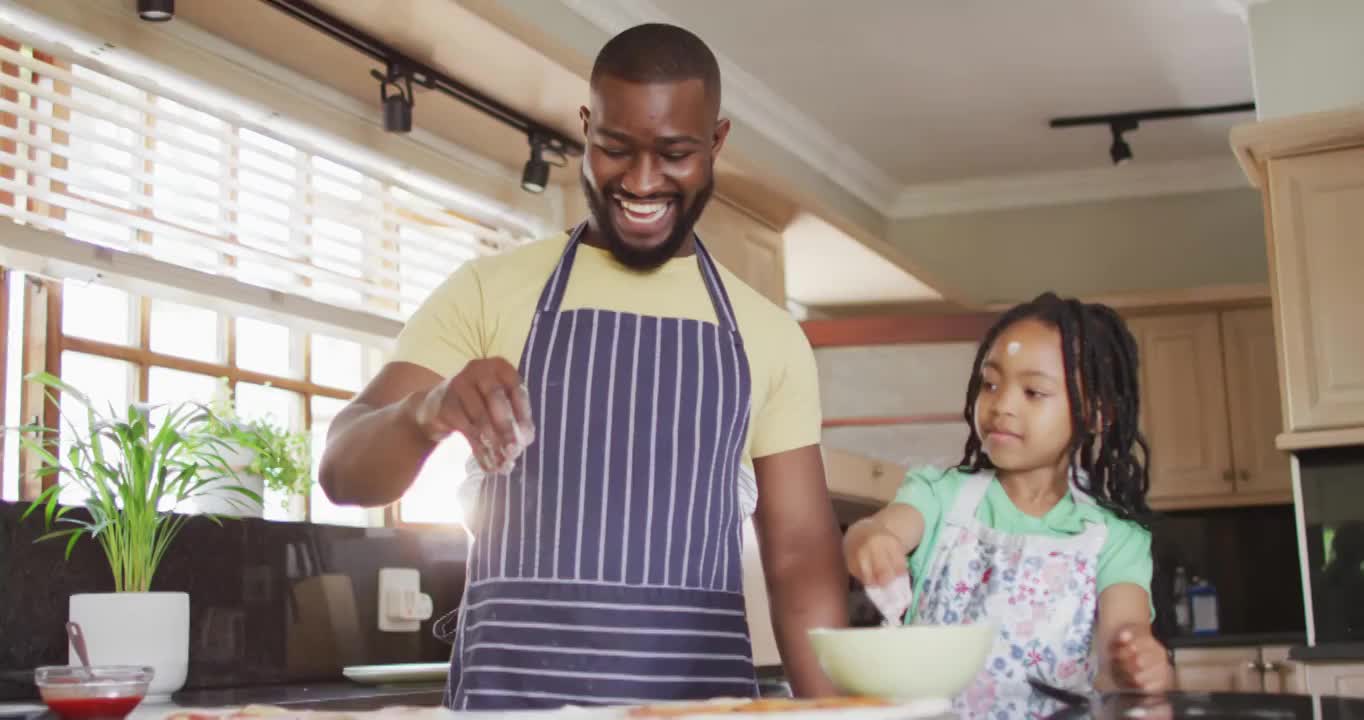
135, 471
283, 459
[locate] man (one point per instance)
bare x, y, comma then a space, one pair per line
608, 518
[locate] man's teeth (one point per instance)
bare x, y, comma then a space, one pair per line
645, 212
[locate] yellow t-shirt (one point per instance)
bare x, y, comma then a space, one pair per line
484, 310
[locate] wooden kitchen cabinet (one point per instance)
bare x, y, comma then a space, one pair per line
1210, 408
1253, 402
1280, 674
1310, 171
747, 247
1339, 679
1218, 670
857, 477
1246, 669
1184, 405
1317, 209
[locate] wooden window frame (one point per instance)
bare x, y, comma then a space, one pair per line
140, 355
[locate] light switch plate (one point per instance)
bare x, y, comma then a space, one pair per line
402, 604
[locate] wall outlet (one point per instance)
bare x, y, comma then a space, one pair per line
402, 604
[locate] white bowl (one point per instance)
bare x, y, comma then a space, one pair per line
910, 662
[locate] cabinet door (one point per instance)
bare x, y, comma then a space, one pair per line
1184, 405
1338, 680
858, 477
1253, 398
1281, 675
1218, 670
746, 247
1316, 253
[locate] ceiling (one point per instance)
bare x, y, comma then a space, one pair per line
447, 36
938, 106
828, 269
940, 90
438, 32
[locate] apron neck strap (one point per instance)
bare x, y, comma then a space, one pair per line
969, 497
552, 296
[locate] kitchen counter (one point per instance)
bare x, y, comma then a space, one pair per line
312, 696
1329, 652
342, 695
1225, 705
1236, 640
317, 696
1204, 706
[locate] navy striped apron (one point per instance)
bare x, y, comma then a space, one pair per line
606, 566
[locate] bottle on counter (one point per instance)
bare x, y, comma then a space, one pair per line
1183, 613
1203, 607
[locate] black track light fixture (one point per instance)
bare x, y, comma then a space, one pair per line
403, 71
535, 176
1119, 123
1120, 151
156, 10
544, 151
395, 96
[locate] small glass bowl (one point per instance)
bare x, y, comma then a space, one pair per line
104, 692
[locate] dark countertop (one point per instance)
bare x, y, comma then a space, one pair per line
1174, 705
1329, 652
313, 696
1236, 640
342, 695
316, 696
1207, 706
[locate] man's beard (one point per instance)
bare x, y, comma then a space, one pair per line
644, 258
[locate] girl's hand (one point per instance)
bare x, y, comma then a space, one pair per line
1139, 661
874, 554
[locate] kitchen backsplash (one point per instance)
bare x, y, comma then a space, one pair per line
1250, 555
270, 601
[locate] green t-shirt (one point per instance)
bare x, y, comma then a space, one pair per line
1125, 557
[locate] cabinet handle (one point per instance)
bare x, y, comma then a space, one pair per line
1228, 475
1245, 476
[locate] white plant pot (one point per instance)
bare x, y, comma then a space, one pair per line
218, 500
150, 628
298, 508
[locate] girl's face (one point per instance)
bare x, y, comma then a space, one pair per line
1023, 409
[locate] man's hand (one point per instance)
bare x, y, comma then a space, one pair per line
487, 404
1138, 661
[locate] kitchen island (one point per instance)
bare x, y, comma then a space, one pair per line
1205, 706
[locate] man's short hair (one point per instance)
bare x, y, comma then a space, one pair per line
659, 53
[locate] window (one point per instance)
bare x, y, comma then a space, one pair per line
120, 348
435, 497
110, 163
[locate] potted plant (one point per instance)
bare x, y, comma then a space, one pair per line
266, 456
135, 471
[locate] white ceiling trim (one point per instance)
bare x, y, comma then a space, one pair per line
750, 100
1073, 186
1239, 8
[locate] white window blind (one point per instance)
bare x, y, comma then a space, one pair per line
113, 165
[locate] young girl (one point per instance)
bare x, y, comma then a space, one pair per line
1040, 527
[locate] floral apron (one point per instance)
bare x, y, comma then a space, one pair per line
1041, 590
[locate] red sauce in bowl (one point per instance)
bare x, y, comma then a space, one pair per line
94, 708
